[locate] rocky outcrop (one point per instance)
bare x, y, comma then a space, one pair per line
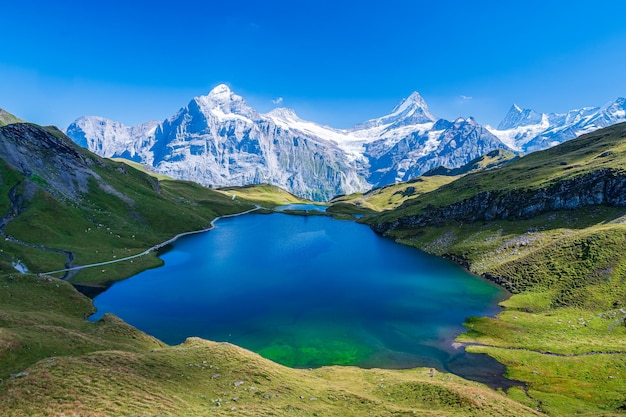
40, 156
49, 160
601, 187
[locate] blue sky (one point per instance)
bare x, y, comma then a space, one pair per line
334, 62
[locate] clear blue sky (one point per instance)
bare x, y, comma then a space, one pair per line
334, 62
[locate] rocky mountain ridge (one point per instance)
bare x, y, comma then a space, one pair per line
218, 140
527, 131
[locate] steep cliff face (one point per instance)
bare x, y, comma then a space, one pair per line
218, 140
602, 187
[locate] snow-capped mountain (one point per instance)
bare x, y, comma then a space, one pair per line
528, 131
411, 111
218, 140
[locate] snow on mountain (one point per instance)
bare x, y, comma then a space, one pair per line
113, 139
516, 117
218, 140
288, 119
529, 131
448, 144
410, 111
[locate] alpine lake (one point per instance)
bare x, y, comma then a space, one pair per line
309, 291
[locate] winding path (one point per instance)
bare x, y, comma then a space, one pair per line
158, 246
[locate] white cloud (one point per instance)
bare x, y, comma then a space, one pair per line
278, 100
465, 98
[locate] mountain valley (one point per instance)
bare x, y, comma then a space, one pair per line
548, 226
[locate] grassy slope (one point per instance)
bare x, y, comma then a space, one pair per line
569, 268
143, 168
42, 317
80, 374
390, 196
263, 194
7, 118
605, 148
199, 378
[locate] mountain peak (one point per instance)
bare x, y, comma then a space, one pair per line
411, 104
619, 102
470, 121
220, 91
222, 101
283, 113
410, 111
517, 117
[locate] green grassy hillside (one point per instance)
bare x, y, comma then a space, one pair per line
563, 333
143, 168
602, 150
73, 367
265, 195
388, 197
564, 330
102, 210
7, 118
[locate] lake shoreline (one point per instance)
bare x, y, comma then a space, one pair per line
154, 248
381, 251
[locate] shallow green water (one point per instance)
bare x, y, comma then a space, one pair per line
305, 292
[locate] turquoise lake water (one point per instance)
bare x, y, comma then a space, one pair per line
305, 292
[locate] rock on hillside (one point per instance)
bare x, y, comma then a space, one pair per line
603, 187
42, 155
